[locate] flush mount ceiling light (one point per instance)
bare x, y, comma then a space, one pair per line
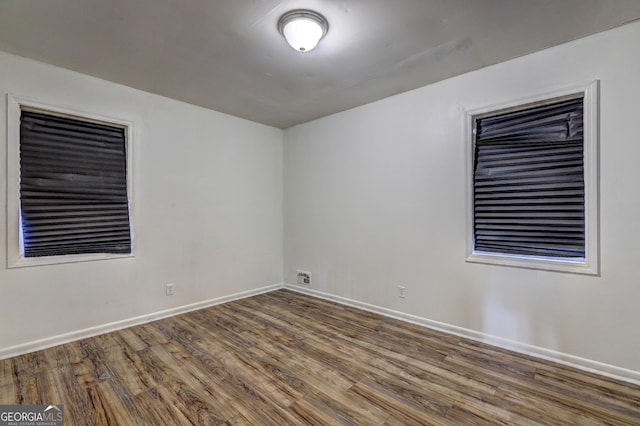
303, 29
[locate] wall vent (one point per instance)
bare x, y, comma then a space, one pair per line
304, 277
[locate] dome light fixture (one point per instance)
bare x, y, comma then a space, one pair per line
303, 28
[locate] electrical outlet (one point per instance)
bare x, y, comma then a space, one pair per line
169, 289
401, 291
304, 277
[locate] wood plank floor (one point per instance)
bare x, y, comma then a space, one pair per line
284, 358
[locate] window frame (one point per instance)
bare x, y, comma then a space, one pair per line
15, 106
590, 265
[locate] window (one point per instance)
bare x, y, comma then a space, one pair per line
69, 186
533, 200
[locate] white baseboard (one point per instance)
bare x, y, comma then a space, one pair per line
118, 325
607, 370
536, 351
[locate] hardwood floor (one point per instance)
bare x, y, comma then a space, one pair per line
284, 358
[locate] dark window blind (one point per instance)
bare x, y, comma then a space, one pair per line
529, 182
73, 187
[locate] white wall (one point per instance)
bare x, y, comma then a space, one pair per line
375, 198
208, 204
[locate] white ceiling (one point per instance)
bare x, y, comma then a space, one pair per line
227, 55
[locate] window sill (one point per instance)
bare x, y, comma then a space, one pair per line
572, 266
24, 262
